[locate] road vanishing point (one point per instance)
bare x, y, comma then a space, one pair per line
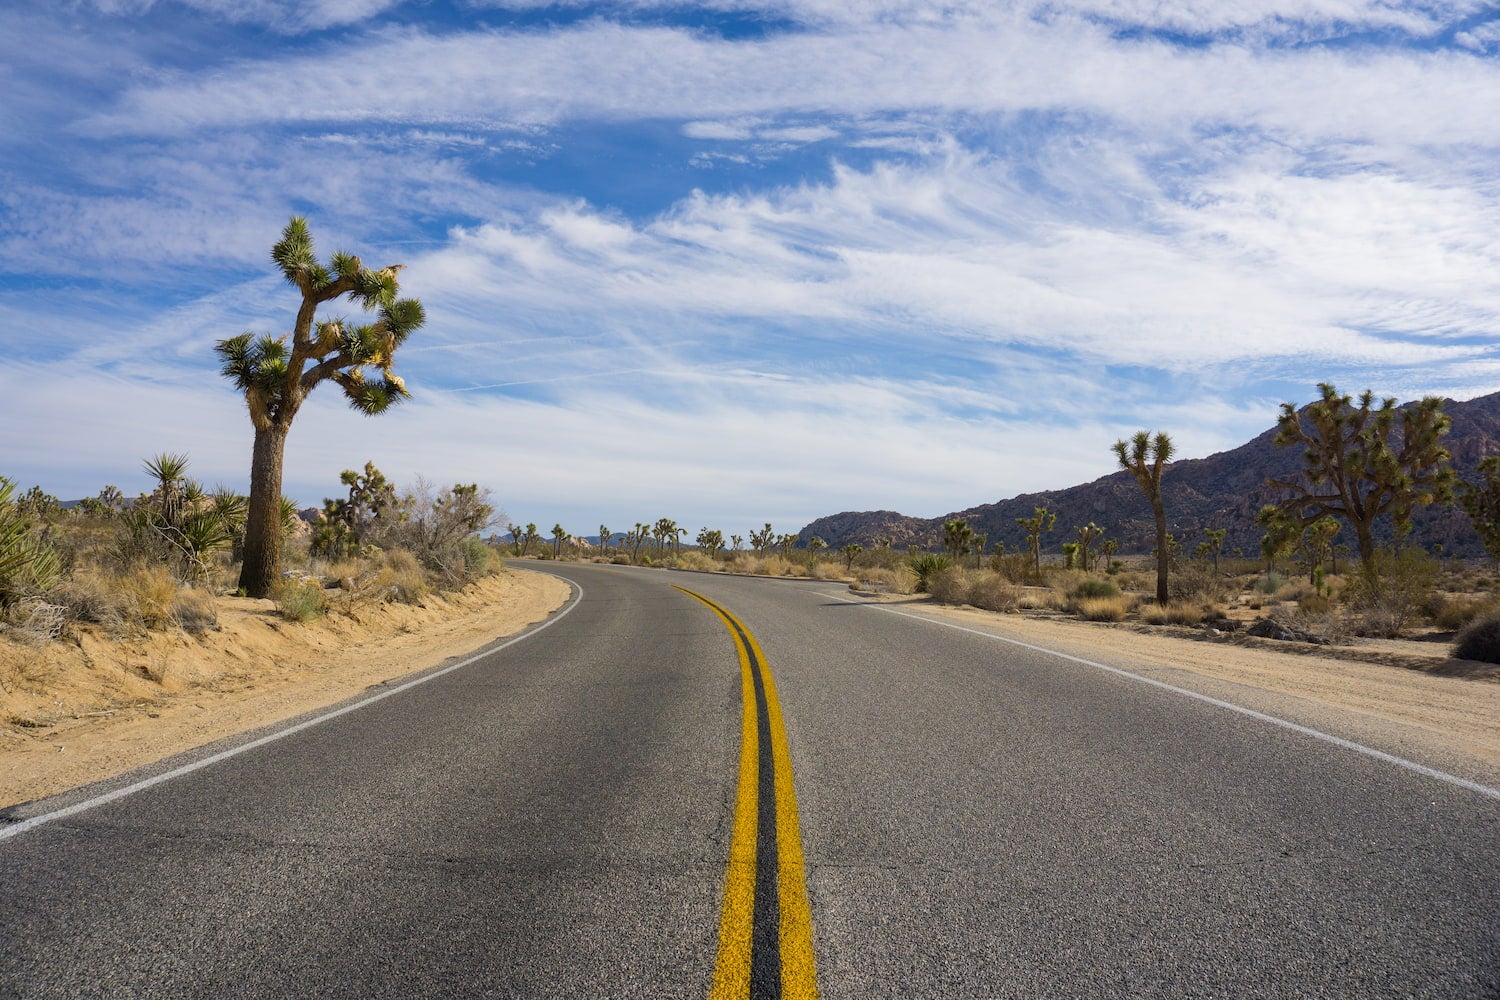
691, 785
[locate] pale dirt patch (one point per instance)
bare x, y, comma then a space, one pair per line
1403, 697
77, 711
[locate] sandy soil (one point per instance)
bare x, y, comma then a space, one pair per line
1402, 697
89, 708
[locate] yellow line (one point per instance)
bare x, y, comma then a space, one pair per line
732, 966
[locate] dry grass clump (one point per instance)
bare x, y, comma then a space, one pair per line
1172, 613
881, 580
194, 610
1042, 599
824, 570
1454, 614
149, 594
692, 559
993, 592
773, 565
1104, 609
408, 580
949, 585
95, 598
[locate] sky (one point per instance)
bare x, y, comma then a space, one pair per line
744, 260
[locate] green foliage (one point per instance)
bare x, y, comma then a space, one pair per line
711, 541
1145, 458
1085, 538
1095, 588
1270, 583
28, 566
300, 600
275, 376
924, 565
345, 525
1389, 593
851, 551
1481, 501
957, 537
1363, 462
1040, 522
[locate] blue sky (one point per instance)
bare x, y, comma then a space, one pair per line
744, 261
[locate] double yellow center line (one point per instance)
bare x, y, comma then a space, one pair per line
765, 930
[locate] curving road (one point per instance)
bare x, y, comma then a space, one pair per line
554, 818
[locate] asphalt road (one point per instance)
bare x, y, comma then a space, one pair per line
554, 818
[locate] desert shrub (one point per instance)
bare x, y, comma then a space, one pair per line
825, 570
1014, 566
1193, 583
883, 580
1388, 597
1270, 583
95, 599
300, 599
695, 560
925, 565
1042, 599
408, 581
1480, 640
1314, 604
993, 592
1453, 615
149, 593
33, 622
1294, 591
1104, 609
948, 585
1095, 588
1172, 613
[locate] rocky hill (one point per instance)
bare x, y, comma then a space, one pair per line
1223, 490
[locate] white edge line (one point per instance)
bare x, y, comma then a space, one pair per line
1338, 741
140, 786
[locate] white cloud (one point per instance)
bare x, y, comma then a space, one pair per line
602, 71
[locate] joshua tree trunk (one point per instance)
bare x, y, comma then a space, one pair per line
1161, 547
262, 565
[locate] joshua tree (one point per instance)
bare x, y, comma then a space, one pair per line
1146, 458
604, 534
762, 540
1087, 537
1108, 547
736, 541
957, 536
1212, 545
1070, 554
980, 541
850, 551
713, 541
1481, 501
530, 538
276, 381
558, 534
637, 538
1359, 464
516, 531
1034, 526
1317, 544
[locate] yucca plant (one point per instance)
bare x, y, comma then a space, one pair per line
27, 566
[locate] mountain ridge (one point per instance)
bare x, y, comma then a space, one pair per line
1222, 490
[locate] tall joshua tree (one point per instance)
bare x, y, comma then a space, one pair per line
1362, 462
1146, 457
276, 379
